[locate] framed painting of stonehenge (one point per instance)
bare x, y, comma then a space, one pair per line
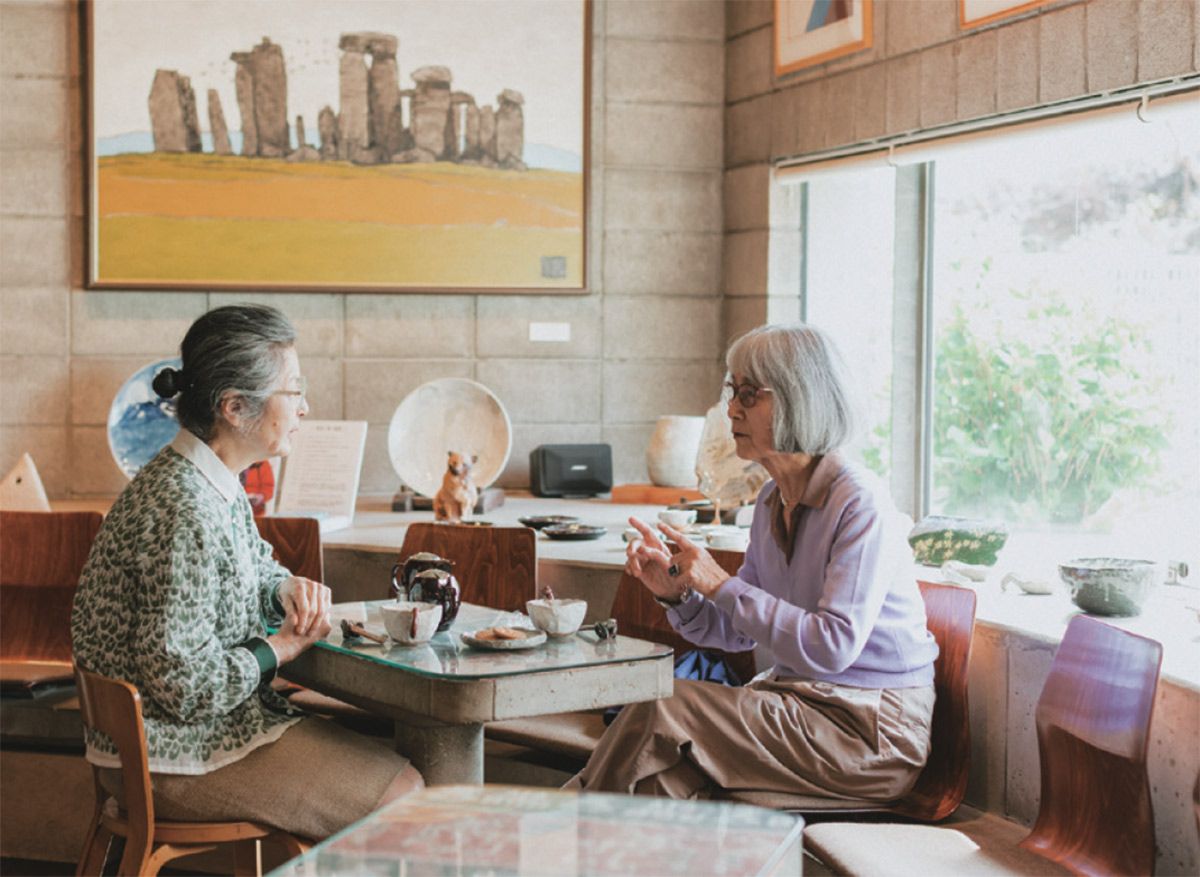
296, 145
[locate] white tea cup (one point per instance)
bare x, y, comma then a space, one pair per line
411, 623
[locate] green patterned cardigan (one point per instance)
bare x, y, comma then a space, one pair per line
173, 599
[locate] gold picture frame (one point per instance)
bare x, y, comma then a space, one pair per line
371, 146
811, 32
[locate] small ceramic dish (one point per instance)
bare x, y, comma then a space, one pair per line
537, 522
556, 617
528, 639
574, 531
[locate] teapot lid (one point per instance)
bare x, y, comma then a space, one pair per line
438, 574
424, 556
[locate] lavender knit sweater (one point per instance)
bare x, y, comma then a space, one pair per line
844, 609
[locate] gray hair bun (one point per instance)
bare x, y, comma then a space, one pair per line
168, 382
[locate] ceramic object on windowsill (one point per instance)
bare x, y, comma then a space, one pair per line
671, 455
938, 538
1108, 585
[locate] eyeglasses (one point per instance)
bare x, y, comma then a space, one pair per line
301, 389
746, 394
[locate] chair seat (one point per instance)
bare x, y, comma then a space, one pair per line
572, 734
20, 673
804, 803
970, 843
117, 821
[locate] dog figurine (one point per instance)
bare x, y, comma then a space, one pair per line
456, 498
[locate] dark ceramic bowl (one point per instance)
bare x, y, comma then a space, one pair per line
540, 521
574, 531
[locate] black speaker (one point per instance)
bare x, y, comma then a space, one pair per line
570, 470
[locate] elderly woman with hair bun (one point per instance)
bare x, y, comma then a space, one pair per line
827, 587
176, 590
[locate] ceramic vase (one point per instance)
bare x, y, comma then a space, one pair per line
671, 456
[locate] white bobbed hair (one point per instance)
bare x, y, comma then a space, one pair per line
814, 409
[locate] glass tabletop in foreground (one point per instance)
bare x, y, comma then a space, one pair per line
446, 655
508, 831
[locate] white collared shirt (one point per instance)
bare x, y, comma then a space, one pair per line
191, 448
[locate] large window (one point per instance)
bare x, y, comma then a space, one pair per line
1058, 326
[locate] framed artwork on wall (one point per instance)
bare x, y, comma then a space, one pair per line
367, 146
809, 32
974, 13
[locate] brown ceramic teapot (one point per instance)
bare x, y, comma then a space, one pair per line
437, 586
403, 572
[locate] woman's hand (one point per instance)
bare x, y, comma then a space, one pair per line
695, 567
646, 558
669, 576
306, 603
289, 643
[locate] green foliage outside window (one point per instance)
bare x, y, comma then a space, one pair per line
1041, 419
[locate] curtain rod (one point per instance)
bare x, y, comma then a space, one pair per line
1140, 94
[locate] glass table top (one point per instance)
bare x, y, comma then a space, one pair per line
509, 830
446, 655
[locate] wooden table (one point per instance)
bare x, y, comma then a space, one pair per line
521, 832
440, 694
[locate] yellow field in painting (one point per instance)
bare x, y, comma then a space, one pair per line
231, 220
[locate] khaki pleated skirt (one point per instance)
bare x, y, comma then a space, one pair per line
313, 781
792, 736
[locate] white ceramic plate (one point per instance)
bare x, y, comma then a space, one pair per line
140, 423
450, 414
530, 638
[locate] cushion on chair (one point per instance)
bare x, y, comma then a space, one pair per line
572, 734
971, 843
804, 803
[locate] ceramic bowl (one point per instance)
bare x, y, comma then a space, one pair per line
411, 623
728, 538
556, 617
677, 518
1108, 585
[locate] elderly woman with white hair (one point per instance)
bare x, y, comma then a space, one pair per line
827, 586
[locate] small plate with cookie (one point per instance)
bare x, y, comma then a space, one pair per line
504, 638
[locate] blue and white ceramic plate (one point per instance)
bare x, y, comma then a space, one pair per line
140, 423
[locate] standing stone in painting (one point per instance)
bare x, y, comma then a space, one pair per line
216, 124
487, 136
471, 148
244, 84
430, 116
383, 93
173, 119
510, 130
303, 152
353, 133
327, 129
270, 99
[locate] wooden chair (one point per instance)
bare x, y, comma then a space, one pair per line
297, 544
950, 615
567, 740
41, 557
1093, 731
495, 566
114, 708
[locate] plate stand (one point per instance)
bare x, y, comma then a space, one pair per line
407, 500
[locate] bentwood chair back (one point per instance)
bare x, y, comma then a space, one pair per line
1095, 818
41, 557
494, 566
1093, 730
114, 708
939, 789
297, 544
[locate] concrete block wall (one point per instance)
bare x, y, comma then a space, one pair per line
645, 340
920, 71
